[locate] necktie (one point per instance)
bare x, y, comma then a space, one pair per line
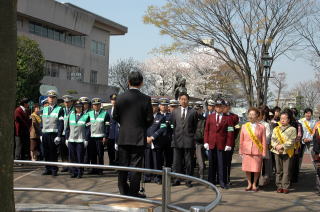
183, 114
96, 114
218, 119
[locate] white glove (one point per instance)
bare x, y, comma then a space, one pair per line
116, 147
57, 140
206, 146
85, 144
41, 139
67, 141
227, 148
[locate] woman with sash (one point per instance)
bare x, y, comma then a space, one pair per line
252, 148
282, 144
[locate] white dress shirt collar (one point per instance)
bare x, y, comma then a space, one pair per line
23, 108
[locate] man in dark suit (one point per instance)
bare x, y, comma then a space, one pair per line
22, 124
218, 139
184, 121
113, 133
133, 111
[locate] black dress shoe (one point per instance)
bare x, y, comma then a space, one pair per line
176, 183
79, 176
46, 172
139, 195
224, 187
66, 169
54, 174
189, 185
73, 176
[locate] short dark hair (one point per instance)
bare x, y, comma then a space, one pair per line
36, 105
289, 114
276, 108
24, 101
295, 111
256, 110
307, 110
184, 94
135, 78
264, 110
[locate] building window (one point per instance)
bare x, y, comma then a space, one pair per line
55, 34
51, 69
98, 48
74, 73
93, 77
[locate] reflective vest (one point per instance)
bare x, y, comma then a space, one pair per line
50, 121
77, 128
65, 118
98, 127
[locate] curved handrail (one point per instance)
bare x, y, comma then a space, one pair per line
166, 173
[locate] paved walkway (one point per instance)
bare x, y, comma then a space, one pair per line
302, 196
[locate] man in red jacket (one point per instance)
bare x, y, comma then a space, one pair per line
22, 125
218, 139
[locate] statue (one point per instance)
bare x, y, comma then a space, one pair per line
180, 86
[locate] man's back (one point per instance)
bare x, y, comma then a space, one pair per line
133, 111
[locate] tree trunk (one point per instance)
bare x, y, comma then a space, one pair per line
8, 41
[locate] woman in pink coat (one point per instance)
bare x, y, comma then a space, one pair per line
252, 147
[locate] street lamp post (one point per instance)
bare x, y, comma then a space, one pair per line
266, 61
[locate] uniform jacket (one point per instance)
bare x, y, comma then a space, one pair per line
247, 145
133, 111
22, 122
235, 123
184, 130
158, 129
60, 122
87, 128
106, 122
220, 135
114, 127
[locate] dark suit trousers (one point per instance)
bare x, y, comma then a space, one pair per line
228, 163
131, 156
111, 151
76, 155
50, 150
96, 149
217, 166
63, 150
22, 148
148, 162
181, 155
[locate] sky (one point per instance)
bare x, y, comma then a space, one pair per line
142, 38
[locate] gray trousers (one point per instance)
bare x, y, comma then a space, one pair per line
200, 159
283, 165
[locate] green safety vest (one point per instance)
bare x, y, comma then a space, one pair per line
77, 128
97, 124
65, 118
50, 121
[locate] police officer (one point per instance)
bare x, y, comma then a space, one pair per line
211, 105
52, 128
77, 136
99, 133
173, 104
68, 108
148, 156
166, 138
86, 104
114, 132
235, 123
86, 108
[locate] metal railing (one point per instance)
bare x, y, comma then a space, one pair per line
166, 173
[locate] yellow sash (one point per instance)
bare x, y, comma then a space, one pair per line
280, 138
308, 126
279, 123
254, 137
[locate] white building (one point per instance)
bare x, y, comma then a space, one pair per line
74, 42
